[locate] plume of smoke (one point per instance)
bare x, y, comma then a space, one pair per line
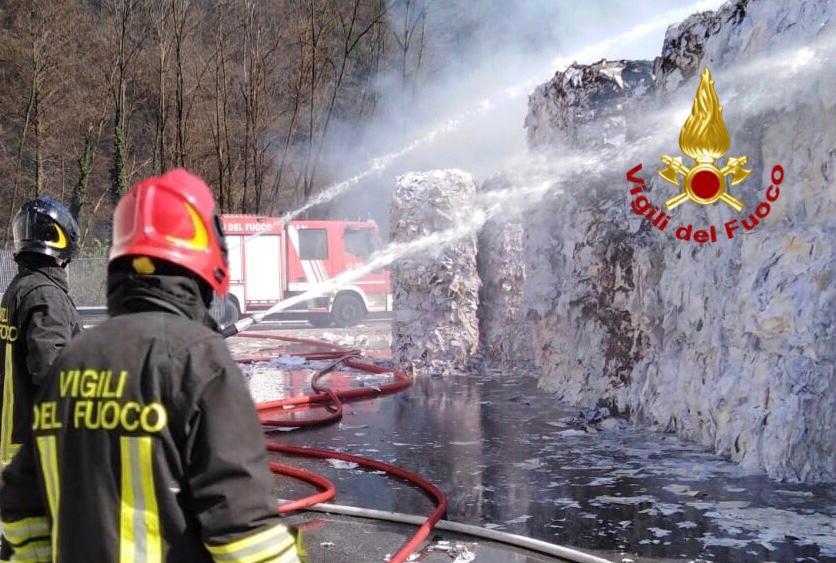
483, 60
535, 176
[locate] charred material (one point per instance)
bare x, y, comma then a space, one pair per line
559, 109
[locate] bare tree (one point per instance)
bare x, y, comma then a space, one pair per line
186, 21
414, 19
161, 24
317, 26
85, 166
248, 93
259, 51
219, 120
352, 33
42, 47
290, 132
127, 40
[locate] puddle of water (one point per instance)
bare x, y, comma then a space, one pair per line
496, 445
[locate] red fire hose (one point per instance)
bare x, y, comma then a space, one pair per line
331, 400
328, 490
431, 490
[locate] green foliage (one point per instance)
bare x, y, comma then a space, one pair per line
118, 175
85, 165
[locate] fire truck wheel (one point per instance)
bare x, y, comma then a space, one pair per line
348, 310
320, 321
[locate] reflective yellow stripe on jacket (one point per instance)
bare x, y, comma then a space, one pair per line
27, 529
7, 448
33, 552
273, 545
48, 454
30, 539
139, 519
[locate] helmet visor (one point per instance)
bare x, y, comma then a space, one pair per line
40, 228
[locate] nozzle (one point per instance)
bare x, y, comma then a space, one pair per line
240, 326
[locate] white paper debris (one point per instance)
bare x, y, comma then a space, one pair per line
435, 330
529, 464
681, 490
458, 552
340, 464
519, 519
625, 500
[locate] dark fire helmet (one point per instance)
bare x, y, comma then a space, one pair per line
44, 226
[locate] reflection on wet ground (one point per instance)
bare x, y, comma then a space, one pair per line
499, 449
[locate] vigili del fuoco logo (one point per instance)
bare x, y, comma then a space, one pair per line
705, 139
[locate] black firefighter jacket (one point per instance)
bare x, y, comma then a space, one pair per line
37, 319
146, 445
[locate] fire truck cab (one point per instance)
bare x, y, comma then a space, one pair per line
270, 261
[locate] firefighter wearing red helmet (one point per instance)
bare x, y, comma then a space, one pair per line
146, 446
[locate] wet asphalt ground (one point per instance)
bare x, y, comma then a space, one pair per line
510, 458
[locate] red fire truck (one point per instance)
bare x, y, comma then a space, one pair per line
288, 259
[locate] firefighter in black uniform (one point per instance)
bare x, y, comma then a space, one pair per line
146, 446
37, 316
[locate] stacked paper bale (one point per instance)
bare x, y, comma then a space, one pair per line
729, 344
503, 330
435, 329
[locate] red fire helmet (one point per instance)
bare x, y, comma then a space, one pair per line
172, 217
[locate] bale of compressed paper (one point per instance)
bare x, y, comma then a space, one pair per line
435, 330
730, 343
504, 333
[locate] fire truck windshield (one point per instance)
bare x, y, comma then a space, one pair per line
359, 241
313, 244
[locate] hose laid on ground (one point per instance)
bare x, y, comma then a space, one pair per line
327, 488
323, 395
505, 538
425, 526
332, 401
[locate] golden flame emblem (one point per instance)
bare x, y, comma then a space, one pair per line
705, 139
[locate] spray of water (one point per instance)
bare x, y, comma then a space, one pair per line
380, 164
467, 222
600, 49
385, 257
483, 106
534, 177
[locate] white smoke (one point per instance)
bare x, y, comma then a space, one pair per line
468, 114
535, 176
